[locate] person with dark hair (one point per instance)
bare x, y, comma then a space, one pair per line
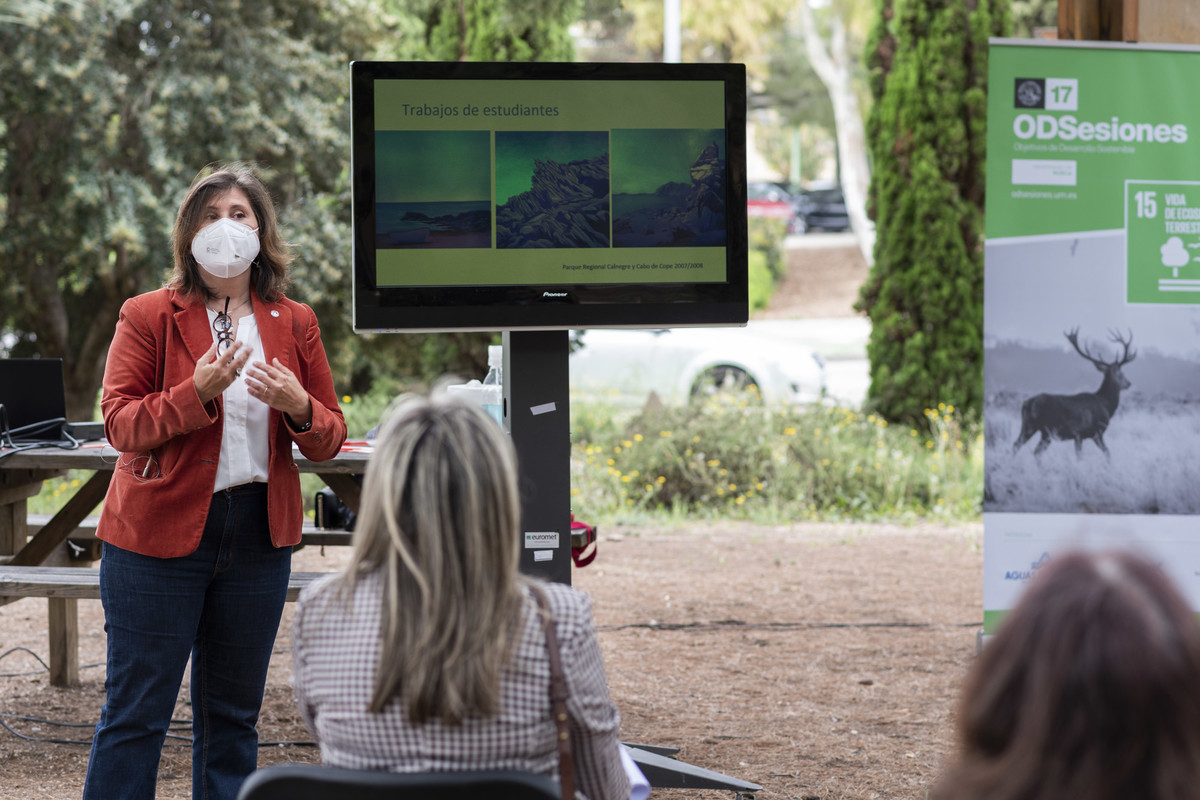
209, 382
1090, 689
427, 652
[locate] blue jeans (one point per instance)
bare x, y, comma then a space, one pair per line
221, 606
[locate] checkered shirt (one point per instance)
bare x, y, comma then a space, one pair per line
335, 646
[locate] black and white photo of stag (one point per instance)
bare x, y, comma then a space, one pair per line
1061, 439
1077, 419
1080, 416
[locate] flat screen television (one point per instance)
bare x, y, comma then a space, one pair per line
542, 196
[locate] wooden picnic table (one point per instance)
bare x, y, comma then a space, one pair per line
29, 564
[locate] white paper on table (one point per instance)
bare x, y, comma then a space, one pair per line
639, 787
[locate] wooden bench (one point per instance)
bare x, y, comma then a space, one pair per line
63, 587
83, 583
83, 546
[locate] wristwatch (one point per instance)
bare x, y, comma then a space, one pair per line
305, 428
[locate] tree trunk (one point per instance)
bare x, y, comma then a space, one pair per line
83, 370
831, 63
80, 340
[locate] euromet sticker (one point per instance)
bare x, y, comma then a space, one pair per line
541, 540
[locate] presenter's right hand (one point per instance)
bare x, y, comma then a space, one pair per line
214, 373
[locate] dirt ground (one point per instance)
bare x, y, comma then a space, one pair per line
819, 661
816, 660
822, 279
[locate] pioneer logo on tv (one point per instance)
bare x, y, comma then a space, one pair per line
554, 295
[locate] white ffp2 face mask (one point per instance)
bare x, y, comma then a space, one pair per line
226, 247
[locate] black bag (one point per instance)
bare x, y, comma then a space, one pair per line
331, 513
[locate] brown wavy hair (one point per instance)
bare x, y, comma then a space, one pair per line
1090, 689
269, 271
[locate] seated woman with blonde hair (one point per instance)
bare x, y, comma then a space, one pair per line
427, 652
1090, 689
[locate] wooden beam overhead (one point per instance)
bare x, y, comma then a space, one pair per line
1098, 20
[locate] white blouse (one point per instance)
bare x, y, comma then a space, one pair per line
245, 454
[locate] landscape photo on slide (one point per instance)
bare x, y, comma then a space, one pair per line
433, 189
668, 188
552, 189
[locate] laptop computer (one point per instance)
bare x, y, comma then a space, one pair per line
34, 400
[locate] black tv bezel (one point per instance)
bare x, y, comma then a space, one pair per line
527, 307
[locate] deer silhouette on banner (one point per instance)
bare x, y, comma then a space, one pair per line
1080, 416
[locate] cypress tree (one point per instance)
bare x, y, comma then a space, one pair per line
502, 30
481, 30
927, 65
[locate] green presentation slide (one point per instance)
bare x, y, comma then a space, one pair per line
554, 182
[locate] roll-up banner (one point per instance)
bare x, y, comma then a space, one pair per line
1091, 309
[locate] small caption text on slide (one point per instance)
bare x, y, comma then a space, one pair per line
681, 265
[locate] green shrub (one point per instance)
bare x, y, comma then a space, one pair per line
363, 412
57, 491
762, 281
733, 456
766, 235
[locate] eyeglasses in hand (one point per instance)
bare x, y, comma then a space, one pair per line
223, 325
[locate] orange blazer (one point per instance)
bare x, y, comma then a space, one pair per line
169, 442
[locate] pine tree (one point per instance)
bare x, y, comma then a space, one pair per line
927, 61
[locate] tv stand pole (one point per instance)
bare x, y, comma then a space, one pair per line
537, 415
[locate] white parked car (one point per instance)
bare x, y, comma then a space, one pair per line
680, 363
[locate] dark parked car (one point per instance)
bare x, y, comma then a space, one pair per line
819, 208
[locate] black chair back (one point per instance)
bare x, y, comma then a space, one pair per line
315, 782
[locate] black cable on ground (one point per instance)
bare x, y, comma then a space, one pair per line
737, 624
173, 739
45, 666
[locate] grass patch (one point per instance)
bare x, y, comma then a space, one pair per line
734, 457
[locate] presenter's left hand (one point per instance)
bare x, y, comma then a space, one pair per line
278, 387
